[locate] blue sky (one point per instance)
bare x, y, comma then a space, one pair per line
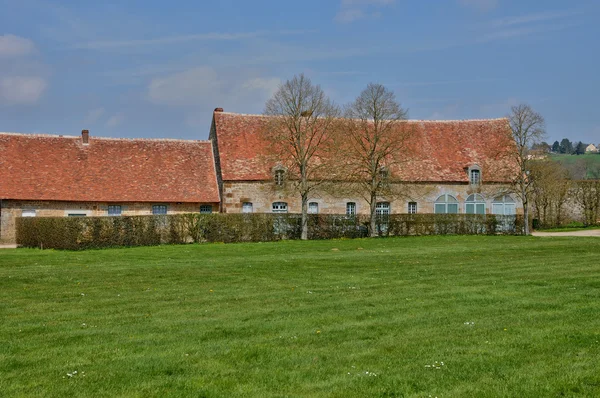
158, 69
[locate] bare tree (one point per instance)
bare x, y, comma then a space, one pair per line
300, 130
528, 128
550, 191
587, 196
375, 135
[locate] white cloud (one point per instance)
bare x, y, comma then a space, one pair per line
480, 5
185, 88
93, 116
353, 10
204, 86
15, 46
21, 90
531, 18
97, 45
268, 85
115, 120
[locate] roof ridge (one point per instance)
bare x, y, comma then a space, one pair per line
408, 120
38, 135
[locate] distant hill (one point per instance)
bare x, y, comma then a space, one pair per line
580, 166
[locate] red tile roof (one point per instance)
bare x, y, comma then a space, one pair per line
45, 167
441, 151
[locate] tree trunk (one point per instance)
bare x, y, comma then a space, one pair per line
304, 234
526, 214
373, 218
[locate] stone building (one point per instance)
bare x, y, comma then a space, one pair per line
72, 176
453, 167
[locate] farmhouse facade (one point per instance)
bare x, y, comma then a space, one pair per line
454, 167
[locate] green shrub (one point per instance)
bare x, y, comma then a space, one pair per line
77, 233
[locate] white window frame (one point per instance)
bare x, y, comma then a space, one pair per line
475, 204
279, 207
247, 207
383, 208
504, 205
28, 213
157, 207
444, 202
114, 207
313, 208
412, 207
279, 176
475, 177
350, 208
206, 209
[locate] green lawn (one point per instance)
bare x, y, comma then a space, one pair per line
401, 317
574, 164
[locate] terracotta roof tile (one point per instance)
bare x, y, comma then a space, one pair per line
46, 167
441, 151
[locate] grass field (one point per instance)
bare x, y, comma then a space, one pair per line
592, 161
401, 317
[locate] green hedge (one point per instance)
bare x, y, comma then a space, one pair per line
76, 233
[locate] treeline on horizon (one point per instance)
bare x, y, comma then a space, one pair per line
565, 147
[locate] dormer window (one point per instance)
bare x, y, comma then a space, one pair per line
279, 176
474, 175
384, 173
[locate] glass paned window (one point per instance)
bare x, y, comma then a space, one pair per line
28, 213
446, 204
504, 205
114, 210
206, 209
475, 177
351, 209
279, 177
280, 207
412, 207
382, 208
247, 207
475, 204
313, 208
159, 209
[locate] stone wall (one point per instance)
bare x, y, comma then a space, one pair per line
330, 200
14, 208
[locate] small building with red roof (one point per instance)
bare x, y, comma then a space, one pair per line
54, 175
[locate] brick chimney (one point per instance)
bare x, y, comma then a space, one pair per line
85, 137
218, 109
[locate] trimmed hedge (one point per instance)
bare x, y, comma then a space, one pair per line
77, 233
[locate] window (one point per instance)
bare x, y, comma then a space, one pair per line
313, 208
280, 207
28, 213
114, 210
384, 173
412, 207
475, 176
382, 208
351, 208
159, 209
205, 209
504, 205
475, 204
76, 215
446, 204
247, 207
279, 177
